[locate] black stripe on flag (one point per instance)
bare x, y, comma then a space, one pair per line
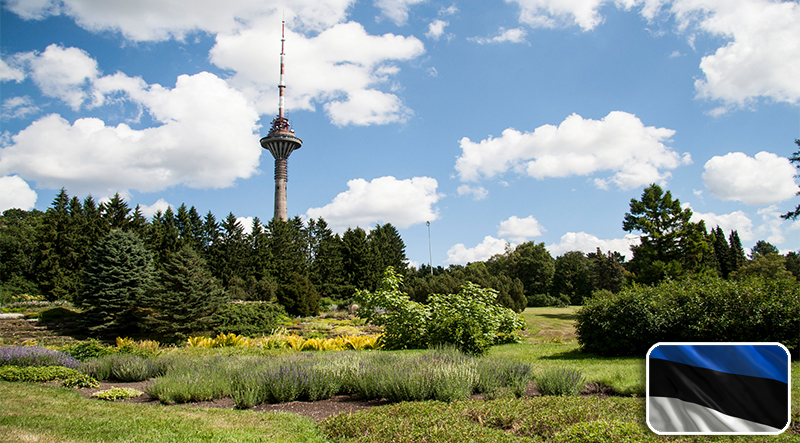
757, 399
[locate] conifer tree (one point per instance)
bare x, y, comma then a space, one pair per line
116, 213
357, 261
723, 252
299, 296
56, 257
327, 268
118, 278
737, 258
186, 297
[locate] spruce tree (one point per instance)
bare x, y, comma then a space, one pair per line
56, 257
299, 296
737, 258
723, 252
118, 278
186, 297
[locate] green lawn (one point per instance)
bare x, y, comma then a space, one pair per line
30, 412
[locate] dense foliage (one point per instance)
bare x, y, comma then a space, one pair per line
691, 310
470, 320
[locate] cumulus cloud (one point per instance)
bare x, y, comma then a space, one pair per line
149, 211
168, 19
477, 192
559, 13
761, 58
735, 221
344, 68
247, 224
772, 227
515, 35
63, 73
581, 241
205, 140
15, 193
383, 200
436, 29
460, 254
620, 143
759, 181
396, 10
519, 230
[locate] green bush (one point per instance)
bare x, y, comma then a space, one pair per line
471, 320
560, 381
88, 349
543, 300
37, 373
705, 309
248, 319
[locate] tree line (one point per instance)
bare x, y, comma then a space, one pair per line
305, 266
49, 253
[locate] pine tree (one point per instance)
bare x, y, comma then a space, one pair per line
606, 271
358, 260
187, 296
118, 278
327, 269
116, 213
388, 249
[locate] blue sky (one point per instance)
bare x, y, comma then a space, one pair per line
497, 121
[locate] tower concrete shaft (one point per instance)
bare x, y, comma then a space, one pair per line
280, 142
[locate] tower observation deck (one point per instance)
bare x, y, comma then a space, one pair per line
280, 142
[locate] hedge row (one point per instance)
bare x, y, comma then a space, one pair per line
707, 309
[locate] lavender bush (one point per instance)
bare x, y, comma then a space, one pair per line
36, 356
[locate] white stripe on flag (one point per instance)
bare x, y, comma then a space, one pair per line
667, 414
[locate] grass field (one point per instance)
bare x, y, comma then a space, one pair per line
30, 412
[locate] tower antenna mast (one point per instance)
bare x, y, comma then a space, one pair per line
281, 141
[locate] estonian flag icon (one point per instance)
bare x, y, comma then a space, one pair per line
713, 388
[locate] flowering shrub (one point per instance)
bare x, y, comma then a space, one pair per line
80, 381
36, 356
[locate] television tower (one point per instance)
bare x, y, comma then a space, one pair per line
281, 141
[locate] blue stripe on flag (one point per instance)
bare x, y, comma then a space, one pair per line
765, 361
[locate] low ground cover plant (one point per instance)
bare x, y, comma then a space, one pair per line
37, 374
115, 393
280, 339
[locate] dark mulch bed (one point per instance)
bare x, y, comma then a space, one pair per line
318, 410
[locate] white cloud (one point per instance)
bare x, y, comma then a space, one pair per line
761, 58
450, 10
247, 224
8, 72
382, 200
460, 254
581, 241
773, 225
63, 73
167, 19
735, 221
15, 193
344, 68
436, 29
396, 10
519, 230
559, 13
515, 35
619, 143
206, 139
477, 192
151, 210
17, 107
759, 181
